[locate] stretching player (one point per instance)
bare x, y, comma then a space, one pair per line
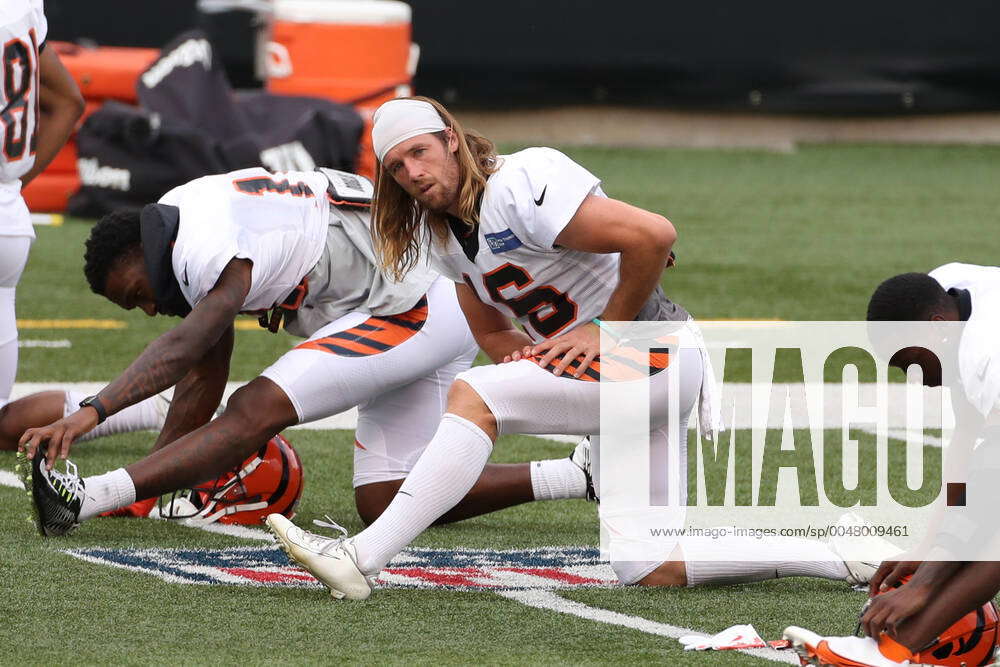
529, 236
293, 246
39, 105
901, 622
46, 407
149, 415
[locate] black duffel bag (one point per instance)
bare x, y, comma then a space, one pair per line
191, 123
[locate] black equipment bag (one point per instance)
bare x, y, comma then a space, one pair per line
191, 123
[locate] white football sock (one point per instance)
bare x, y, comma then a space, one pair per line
449, 466
143, 416
757, 559
557, 479
106, 492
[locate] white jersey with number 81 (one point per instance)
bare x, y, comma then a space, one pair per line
22, 32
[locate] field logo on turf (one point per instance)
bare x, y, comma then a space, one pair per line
458, 569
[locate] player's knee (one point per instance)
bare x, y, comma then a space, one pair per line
8, 429
671, 573
259, 410
372, 499
465, 402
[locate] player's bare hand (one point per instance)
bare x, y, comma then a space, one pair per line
891, 608
517, 355
583, 342
889, 573
59, 434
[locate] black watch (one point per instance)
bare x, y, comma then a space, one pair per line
95, 402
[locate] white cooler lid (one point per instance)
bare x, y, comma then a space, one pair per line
356, 12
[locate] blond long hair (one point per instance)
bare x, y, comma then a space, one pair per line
396, 215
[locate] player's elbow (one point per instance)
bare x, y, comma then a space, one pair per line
68, 105
75, 104
658, 233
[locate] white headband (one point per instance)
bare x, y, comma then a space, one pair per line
399, 120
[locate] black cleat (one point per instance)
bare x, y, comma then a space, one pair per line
56, 497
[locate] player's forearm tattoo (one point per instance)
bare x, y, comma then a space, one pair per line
156, 369
198, 394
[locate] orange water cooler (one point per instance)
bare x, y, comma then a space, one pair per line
105, 73
350, 51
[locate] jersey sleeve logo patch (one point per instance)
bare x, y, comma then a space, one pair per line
503, 241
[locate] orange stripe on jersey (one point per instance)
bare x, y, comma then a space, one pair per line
341, 202
620, 365
374, 335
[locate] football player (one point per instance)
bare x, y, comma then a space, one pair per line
296, 248
529, 237
45, 407
901, 621
946, 617
39, 105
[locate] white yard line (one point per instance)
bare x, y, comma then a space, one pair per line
345, 420
232, 530
824, 407
245, 532
903, 434
61, 343
7, 478
543, 599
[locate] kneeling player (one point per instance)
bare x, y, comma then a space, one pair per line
293, 246
943, 615
45, 407
549, 480
528, 237
901, 623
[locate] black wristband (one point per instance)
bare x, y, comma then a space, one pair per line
95, 402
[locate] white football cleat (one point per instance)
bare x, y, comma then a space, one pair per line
862, 553
332, 560
837, 651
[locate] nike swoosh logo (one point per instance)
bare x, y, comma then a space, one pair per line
541, 198
184, 278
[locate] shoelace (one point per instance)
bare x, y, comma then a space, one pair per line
67, 484
322, 544
330, 523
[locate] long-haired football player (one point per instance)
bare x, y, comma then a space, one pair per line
39, 105
529, 237
295, 248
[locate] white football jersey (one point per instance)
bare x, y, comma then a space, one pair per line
527, 203
22, 33
979, 349
276, 220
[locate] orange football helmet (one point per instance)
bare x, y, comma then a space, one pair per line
971, 640
269, 481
